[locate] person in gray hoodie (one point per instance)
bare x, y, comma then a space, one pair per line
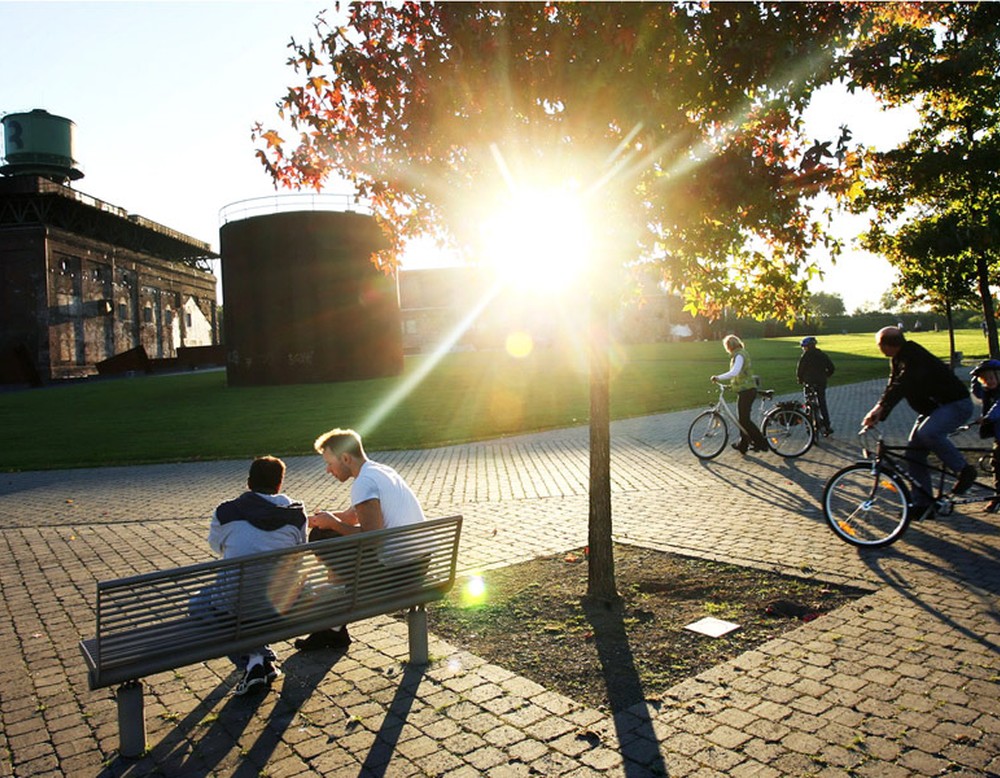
260, 519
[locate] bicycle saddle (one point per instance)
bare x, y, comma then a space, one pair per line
767, 394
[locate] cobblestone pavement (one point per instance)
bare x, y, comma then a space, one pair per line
902, 682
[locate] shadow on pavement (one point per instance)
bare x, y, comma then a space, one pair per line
955, 561
639, 745
761, 483
380, 754
304, 673
173, 751
195, 748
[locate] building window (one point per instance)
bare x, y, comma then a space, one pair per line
187, 319
122, 311
147, 314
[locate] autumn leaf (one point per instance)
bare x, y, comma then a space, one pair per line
272, 138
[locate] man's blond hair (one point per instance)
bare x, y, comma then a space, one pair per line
338, 441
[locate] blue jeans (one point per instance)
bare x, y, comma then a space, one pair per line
931, 432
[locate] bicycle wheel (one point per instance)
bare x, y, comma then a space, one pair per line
788, 431
707, 435
864, 508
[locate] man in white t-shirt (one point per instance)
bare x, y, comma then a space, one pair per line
380, 499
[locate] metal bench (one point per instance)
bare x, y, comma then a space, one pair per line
167, 619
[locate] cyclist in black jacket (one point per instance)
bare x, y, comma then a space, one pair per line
937, 395
814, 369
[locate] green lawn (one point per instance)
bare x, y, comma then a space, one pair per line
462, 397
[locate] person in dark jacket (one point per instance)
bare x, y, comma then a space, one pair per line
814, 370
260, 519
986, 389
941, 401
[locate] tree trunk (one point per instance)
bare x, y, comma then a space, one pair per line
989, 314
601, 561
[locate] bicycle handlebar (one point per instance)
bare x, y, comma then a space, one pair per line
867, 449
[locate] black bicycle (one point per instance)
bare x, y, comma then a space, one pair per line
870, 503
810, 407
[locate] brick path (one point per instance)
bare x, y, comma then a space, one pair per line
902, 682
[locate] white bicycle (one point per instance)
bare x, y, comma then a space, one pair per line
788, 431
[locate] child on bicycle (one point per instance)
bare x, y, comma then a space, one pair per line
986, 387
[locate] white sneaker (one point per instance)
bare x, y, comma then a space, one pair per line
254, 676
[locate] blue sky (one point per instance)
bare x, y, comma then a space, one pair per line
164, 95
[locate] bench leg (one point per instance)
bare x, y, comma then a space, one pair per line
416, 622
131, 720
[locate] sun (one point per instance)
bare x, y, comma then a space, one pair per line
539, 240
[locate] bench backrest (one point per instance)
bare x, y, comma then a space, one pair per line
171, 618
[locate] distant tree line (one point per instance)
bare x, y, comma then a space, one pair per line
865, 321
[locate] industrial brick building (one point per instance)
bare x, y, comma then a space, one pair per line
82, 281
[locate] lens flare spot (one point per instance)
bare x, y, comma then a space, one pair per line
476, 586
474, 591
519, 344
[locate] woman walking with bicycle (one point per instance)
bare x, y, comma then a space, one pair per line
741, 379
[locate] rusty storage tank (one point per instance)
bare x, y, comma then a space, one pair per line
303, 302
38, 143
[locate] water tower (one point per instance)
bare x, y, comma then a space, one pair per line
303, 301
39, 143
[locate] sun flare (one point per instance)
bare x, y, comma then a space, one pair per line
539, 241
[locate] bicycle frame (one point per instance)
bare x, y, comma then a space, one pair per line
721, 406
889, 458
810, 404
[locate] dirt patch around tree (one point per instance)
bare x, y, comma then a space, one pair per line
533, 619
